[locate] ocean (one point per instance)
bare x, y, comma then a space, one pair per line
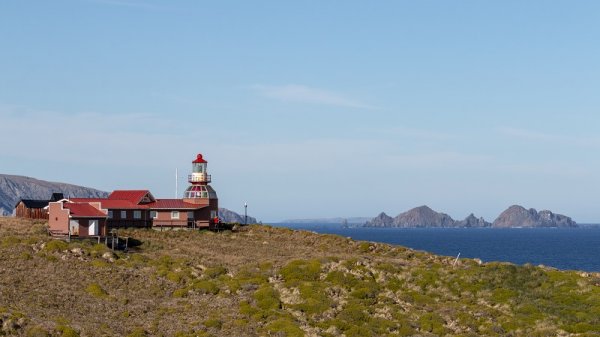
562, 248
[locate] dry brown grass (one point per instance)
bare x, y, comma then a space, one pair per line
50, 286
263, 281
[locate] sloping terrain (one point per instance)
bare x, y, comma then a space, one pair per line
13, 188
263, 281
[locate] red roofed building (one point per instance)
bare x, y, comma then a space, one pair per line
76, 218
138, 208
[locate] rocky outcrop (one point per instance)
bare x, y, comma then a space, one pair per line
424, 216
231, 217
518, 216
382, 220
472, 221
13, 188
514, 216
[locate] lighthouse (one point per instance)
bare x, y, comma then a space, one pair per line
200, 192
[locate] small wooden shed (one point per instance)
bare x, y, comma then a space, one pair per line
35, 209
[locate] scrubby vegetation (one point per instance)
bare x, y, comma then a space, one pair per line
263, 281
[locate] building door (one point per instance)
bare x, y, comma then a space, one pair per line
74, 227
93, 230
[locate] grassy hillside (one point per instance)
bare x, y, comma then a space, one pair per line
263, 281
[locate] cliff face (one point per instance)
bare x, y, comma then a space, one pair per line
382, 220
518, 216
231, 216
473, 221
13, 188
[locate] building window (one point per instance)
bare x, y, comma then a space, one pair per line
174, 214
123, 214
153, 214
110, 214
137, 214
190, 215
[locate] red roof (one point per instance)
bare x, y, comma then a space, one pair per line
110, 203
199, 159
120, 204
134, 196
173, 204
83, 210
86, 199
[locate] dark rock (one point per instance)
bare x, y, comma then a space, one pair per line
423, 216
231, 217
518, 216
472, 221
382, 220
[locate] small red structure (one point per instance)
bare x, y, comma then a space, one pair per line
76, 218
139, 208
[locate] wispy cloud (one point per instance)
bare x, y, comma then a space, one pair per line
306, 94
550, 138
416, 133
117, 136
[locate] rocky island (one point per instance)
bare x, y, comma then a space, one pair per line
424, 216
518, 216
514, 216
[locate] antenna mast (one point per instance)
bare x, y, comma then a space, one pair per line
176, 184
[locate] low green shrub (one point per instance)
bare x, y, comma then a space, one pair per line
66, 331
284, 326
37, 331
213, 323
301, 270
215, 272
96, 290
205, 287
56, 246
179, 293
267, 298
138, 332
10, 241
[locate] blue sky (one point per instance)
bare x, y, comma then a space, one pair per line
310, 108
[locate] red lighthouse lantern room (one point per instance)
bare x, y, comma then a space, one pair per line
199, 191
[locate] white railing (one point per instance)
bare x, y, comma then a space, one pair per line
205, 178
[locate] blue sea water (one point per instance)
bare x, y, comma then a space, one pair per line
562, 248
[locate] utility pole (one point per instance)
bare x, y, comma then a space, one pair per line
245, 213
